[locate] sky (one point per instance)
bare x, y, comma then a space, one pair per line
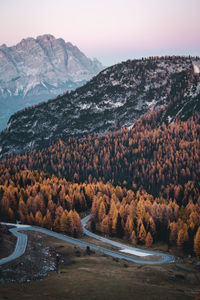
110, 30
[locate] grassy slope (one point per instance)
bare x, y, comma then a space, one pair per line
100, 277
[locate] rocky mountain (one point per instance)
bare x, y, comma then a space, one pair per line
116, 97
39, 69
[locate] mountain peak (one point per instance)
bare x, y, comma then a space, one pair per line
3, 46
27, 40
46, 37
38, 69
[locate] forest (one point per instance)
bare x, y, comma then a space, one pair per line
141, 184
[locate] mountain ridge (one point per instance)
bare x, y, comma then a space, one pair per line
38, 69
115, 98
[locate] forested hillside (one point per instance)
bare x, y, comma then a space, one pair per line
141, 184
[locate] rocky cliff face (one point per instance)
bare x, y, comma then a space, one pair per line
116, 97
38, 69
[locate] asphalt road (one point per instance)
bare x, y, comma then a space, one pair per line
164, 258
22, 243
19, 248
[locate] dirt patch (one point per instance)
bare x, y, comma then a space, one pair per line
7, 241
34, 264
40, 258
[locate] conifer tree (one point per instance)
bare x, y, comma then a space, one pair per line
197, 243
38, 218
63, 222
70, 223
142, 234
148, 240
119, 228
101, 212
133, 238
77, 225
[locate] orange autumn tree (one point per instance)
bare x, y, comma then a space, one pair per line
197, 243
148, 240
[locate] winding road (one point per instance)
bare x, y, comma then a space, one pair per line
22, 243
165, 258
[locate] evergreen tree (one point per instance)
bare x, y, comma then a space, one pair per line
119, 229
142, 234
93, 226
148, 240
197, 243
63, 222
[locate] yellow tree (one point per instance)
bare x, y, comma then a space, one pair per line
181, 238
94, 209
197, 243
63, 222
70, 223
77, 225
11, 214
105, 227
142, 234
38, 218
128, 227
113, 212
133, 238
148, 240
47, 220
56, 224
101, 212
173, 232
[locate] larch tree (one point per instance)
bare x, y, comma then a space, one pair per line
181, 238
197, 243
148, 240
47, 220
173, 232
77, 225
56, 224
133, 238
105, 225
38, 218
70, 223
63, 222
142, 234
119, 228
102, 211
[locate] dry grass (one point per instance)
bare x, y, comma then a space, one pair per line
7, 242
100, 277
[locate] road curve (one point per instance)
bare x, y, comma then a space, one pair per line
165, 258
22, 243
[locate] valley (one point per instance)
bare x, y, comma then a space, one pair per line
99, 150
124, 150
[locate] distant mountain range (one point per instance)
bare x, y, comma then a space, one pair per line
39, 69
116, 97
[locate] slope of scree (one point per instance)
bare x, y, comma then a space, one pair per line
115, 98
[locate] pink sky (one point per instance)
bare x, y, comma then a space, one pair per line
111, 30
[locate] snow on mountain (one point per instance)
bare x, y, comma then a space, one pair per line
196, 66
100, 106
38, 69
